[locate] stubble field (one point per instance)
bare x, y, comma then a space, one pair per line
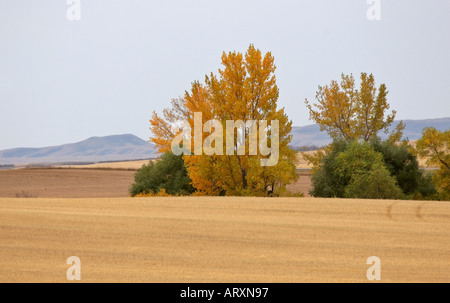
65, 183
48, 215
205, 239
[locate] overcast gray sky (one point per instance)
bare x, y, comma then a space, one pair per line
63, 81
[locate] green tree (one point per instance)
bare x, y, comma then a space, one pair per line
326, 182
354, 170
376, 183
403, 165
168, 173
368, 176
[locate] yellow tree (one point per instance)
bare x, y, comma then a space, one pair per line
244, 90
183, 109
344, 111
435, 146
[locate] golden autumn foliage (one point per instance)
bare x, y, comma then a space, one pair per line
344, 111
244, 89
435, 147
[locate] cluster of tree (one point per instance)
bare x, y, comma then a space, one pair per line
358, 164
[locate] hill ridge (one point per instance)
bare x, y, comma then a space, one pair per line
130, 147
93, 149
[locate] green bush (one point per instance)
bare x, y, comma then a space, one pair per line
354, 170
426, 189
405, 167
326, 182
351, 164
167, 173
369, 177
376, 183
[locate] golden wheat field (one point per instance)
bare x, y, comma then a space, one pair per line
223, 239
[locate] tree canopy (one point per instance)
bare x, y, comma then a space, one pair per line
244, 89
343, 110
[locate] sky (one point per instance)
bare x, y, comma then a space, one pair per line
64, 80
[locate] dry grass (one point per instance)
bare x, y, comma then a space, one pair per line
133, 165
301, 162
206, 239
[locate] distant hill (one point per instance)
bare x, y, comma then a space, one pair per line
95, 149
130, 147
311, 134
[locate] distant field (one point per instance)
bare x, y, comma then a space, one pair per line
88, 182
422, 161
65, 183
212, 239
111, 179
302, 163
134, 165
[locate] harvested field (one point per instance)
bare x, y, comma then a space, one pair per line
65, 183
131, 165
301, 162
84, 183
205, 239
302, 185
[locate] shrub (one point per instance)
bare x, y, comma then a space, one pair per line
369, 177
403, 165
325, 181
376, 183
354, 170
346, 162
168, 173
